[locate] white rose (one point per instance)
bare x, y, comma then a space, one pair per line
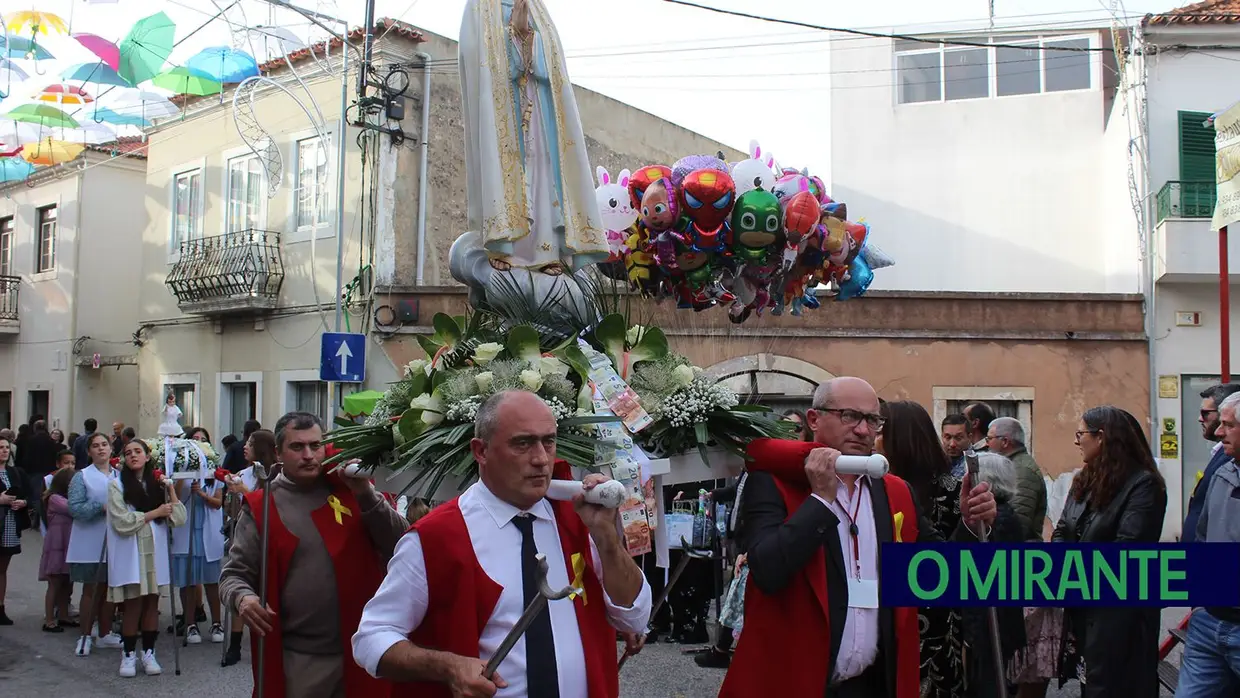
684, 375
432, 408
486, 352
551, 366
698, 370
484, 380
531, 379
414, 367
634, 334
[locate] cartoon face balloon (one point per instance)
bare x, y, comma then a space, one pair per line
755, 173
757, 224
801, 215
659, 210
613, 200
707, 197
641, 180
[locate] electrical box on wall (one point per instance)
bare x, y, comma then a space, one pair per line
1187, 318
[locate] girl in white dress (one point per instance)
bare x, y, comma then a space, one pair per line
171, 426
140, 510
88, 502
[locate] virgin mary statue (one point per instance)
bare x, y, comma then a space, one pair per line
530, 190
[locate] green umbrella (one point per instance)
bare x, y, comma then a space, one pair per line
187, 81
43, 114
145, 48
361, 403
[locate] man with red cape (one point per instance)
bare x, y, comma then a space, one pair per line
329, 539
465, 572
813, 625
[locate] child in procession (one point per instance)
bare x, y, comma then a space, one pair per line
57, 525
88, 501
259, 448
196, 553
140, 509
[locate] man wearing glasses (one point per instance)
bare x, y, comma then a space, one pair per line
812, 537
1211, 398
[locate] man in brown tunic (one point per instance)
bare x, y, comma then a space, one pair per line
330, 540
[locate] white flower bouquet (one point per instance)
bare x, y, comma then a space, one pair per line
175, 455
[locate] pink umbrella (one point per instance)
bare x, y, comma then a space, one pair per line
106, 50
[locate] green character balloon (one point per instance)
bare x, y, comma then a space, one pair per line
756, 226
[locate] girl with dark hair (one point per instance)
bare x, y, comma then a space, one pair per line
52, 566
797, 417
88, 502
141, 507
1118, 496
12, 523
198, 434
913, 450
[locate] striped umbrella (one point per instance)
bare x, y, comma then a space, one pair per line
64, 94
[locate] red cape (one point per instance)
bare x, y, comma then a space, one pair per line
358, 573
791, 630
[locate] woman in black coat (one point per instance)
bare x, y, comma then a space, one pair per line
13, 518
1118, 496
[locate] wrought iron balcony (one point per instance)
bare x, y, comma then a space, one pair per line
232, 273
1186, 200
9, 308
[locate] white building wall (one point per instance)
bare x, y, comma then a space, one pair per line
996, 194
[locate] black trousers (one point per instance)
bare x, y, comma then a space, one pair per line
872, 683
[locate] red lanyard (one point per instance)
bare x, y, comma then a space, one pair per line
854, 532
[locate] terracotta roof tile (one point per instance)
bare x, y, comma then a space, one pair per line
1198, 14
129, 146
381, 28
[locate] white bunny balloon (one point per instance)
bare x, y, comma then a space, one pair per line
613, 204
758, 172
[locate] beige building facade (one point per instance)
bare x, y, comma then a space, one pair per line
70, 247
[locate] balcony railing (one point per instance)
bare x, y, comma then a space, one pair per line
231, 273
1186, 200
9, 286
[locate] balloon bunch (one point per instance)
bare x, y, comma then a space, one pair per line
748, 236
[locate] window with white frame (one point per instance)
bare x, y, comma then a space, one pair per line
311, 187
246, 200
1022, 65
45, 242
6, 246
309, 396
186, 207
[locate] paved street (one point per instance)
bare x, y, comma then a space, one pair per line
34, 663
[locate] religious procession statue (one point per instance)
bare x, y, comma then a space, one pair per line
532, 209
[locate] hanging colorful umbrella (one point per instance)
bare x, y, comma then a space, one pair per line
39, 22
43, 114
98, 73
14, 169
223, 64
144, 103
107, 51
51, 152
282, 39
145, 48
18, 47
64, 94
11, 71
17, 133
103, 115
187, 81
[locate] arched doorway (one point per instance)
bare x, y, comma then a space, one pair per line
779, 382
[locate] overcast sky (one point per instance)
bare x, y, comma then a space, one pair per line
729, 78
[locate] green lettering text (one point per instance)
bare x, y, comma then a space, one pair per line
970, 577
1039, 576
1167, 575
1143, 558
944, 577
1102, 568
1073, 575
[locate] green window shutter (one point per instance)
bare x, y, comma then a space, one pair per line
1196, 147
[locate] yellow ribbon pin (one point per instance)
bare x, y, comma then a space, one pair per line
579, 575
1200, 474
898, 519
338, 509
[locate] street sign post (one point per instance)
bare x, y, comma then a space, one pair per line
342, 358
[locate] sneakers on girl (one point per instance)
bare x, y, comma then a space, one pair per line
217, 633
192, 636
150, 667
129, 665
84, 645
110, 641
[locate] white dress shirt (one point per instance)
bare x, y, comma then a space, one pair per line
859, 643
401, 602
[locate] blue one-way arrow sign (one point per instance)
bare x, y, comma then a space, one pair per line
343, 357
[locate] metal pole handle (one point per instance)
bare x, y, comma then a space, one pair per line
537, 605
264, 475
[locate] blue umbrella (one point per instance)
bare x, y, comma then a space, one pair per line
14, 169
103, 115
223, 64
18, 47
99, 73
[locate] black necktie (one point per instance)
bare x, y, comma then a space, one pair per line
540, 670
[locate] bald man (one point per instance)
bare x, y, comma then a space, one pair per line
462, 577
812, 537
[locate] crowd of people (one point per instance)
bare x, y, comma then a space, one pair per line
420, 611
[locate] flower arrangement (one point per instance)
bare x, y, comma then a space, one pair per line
602, 371
187, 455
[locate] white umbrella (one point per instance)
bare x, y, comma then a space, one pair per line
144, 103
14, 133
279, 41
